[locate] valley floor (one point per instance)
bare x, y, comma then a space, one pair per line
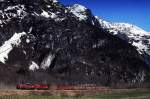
114, 94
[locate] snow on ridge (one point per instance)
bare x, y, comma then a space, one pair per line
79, 11
103, 23
5, 49
122, 27
33, 66
131, 28
49, 15
45, 14
129, 32
53, 15
140, 46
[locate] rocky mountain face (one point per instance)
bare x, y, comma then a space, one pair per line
44, 41
128, 32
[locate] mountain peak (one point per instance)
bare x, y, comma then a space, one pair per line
79, 11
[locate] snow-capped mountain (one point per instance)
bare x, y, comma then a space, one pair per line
131, 33
79, 11
44, 41
83, 14
128, 32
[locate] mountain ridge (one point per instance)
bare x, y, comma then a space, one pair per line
128, 32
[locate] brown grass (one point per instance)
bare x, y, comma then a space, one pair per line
51, 92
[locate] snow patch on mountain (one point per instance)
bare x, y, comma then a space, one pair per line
140, 46
53, 15
47, 61
49, 14
79, 11
45, 14
33, 66
5, 49
27, 41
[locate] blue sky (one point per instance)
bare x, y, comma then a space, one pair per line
130, 11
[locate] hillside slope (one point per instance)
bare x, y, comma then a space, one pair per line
43, 41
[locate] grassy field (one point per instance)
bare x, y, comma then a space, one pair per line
120, 95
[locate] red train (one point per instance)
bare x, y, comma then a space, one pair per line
32, 86
29, 86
